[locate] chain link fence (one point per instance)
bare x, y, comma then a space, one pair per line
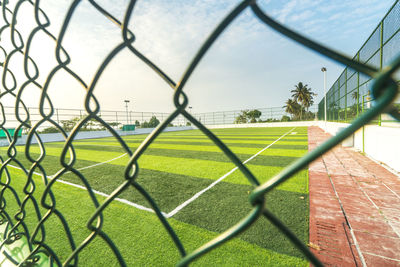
349, 95
384, 90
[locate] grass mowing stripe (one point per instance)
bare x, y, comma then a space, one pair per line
186, 166
94, 191
298, 145
200, 139
264, 160
187, 202
137, 234
106, 155
183, 140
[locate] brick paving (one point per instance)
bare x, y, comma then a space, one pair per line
354, 208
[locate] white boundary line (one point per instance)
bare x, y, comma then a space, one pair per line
138, 206
101, 163
198, 194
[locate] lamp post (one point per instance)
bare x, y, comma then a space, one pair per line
190, 112
127, 115
323, 69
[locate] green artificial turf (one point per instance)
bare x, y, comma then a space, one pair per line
173, 169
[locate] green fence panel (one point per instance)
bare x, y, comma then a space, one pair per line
11, 132
381, 47
128, 127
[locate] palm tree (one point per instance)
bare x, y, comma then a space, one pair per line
291, 107
354, 95
304, 96
308, 98
354, 108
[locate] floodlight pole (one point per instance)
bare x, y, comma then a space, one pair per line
127, 114
323, 69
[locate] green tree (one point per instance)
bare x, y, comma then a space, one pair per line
27, 128
253, 115
153, 122
51, 129
293, 108
354, 95
67, 125
241, 118
352, 112
113, 124
248, 116
308, 99
290, 106
303, 96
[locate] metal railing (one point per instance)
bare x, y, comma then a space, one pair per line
117, 119
272, 114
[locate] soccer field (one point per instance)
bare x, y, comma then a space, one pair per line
195, 185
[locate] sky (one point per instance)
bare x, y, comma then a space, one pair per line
249, 66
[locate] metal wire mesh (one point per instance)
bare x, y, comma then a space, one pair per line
384, 91
349, 97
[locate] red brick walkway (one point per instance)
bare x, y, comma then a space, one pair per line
354, 208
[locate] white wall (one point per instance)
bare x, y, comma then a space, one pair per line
380, 143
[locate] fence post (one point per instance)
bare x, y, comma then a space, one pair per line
58, 120
358, 86
345, 94
381, 64
116, 116
213, 118
363, 129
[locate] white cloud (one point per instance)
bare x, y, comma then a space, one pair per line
286, 10
301, 16
246, 57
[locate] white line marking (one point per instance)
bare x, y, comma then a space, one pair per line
101, 163
138, 206
380, 256
198, 194
376, 206
391, 190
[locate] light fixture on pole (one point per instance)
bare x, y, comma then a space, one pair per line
127, 115
323, 69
